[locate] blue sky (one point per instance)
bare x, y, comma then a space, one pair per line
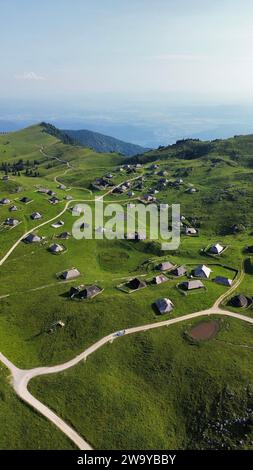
199, 49
146, 71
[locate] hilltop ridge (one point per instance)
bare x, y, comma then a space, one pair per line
103, 143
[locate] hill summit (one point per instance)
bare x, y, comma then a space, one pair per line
103, 143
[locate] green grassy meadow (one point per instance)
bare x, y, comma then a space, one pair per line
22, 427
156, 390
32, 297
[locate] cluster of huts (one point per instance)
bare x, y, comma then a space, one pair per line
193, 282
84, 292
12, 222
102, 183
53, 199
80, 292
163, 305
55, 248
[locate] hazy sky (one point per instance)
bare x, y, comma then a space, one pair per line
200, 49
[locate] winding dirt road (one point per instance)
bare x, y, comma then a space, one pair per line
22, 377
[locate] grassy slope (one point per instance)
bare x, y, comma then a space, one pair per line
224, 197
103, 143
155, 390
23, 428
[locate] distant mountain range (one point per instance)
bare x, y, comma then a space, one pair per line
104, 143
8, 126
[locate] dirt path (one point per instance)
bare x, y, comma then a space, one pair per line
231, 289
14, 246
66, 162
22, 377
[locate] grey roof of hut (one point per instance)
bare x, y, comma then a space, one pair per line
240, 301
70, 274
58, 224
164, 305
32, 238
89, 292
56, 248
54, 200
191, 285
191, 231
43, 190
25, 200
11, 222
5, 200
216, 249
13, 208
36, 216
64, 235
160, 279
192, 190
223, 280
136, 284
179, 271
74, 291
202, 271
165, 266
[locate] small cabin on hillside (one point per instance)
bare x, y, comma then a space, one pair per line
136, 283
179, 271
36, 216
191, 285
70, 274
25, 200
240, 301
165, 266
202, 271
164, 305
54, 200
159, 279
64, 235
58, 224
32, 238
191, 231
89, 292
11, 222
56, 248
216, 249
13, 208
224, 281
5, 200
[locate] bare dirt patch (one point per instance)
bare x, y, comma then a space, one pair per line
204, 330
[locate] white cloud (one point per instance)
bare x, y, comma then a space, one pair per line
29, 76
